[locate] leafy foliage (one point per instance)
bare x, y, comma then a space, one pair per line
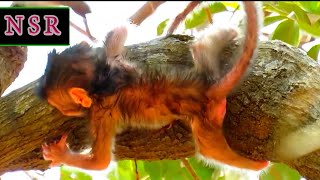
314, 52
280, 171
199, 16
161, 26
174, 169
287, 31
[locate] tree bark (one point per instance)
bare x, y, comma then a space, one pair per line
277, 99
12, 60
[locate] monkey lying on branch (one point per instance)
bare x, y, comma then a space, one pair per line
116, 94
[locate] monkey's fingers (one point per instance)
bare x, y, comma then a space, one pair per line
63, 140
53, 163
46, 153
45, 149
46, 156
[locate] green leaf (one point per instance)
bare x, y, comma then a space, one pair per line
311, 29
161, 27
174, 169
287, 31
292, 7
166, 169
231, 4
310, 6
154, 169
141, 170
199, 17
272, 19
202, 171
314, 52
125, 169
271, 7
280, 171
70, 173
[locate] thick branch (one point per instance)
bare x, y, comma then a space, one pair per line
278, 98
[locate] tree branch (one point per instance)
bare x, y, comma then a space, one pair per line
145, 11
12, 60
275, 104
180, 17
84, 32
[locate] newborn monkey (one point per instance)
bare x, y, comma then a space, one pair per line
117, 94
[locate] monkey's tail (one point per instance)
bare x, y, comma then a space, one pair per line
252, 28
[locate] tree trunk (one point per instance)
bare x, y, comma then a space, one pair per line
271, 115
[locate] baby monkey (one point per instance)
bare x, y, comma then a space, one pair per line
116, 94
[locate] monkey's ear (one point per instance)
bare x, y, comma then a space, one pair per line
80, 96
115, 40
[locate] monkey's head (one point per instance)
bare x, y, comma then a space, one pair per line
67, 79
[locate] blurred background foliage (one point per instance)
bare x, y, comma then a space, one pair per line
295, 23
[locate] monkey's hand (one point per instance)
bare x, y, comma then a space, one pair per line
56, 152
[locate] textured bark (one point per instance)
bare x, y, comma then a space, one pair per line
12, 60
257, 116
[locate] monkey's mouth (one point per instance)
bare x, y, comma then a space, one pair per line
74, 113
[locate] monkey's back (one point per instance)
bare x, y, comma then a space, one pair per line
155, 100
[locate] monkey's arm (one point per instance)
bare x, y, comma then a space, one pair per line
100, 157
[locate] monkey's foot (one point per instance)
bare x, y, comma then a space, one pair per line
56, 152
234, 160
226, 33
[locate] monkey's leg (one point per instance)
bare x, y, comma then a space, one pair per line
100, 158
212, 144
216, 111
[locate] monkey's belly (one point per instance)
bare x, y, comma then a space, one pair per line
153, 119
157, 109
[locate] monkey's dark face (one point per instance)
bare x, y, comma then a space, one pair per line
64, 103
74, 67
